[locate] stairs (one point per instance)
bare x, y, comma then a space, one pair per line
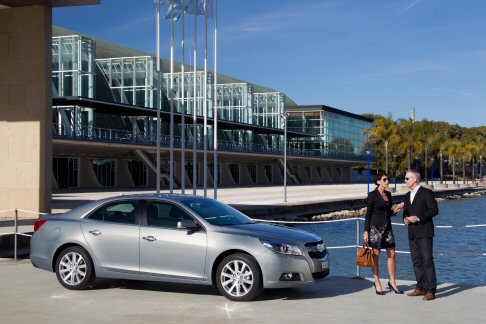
164, 169
289, 171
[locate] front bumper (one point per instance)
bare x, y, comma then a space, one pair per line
303, 269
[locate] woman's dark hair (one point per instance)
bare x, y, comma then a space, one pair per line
378, 177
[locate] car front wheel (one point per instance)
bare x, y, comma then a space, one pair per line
238, 277
74, 268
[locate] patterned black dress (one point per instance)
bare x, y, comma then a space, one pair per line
378, 223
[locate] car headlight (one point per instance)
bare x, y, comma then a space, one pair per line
282, 248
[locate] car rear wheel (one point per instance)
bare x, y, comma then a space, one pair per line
238, 277
74, 268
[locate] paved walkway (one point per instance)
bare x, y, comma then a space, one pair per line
30, 295
237, 195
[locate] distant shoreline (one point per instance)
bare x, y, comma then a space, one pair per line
351, 213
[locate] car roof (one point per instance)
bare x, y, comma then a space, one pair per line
87, 207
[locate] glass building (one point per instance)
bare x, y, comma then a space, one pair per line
335, 133
104, 106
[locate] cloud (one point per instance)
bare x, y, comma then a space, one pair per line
283, 18
130, 25
411, 6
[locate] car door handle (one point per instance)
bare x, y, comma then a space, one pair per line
95, 232
149, 238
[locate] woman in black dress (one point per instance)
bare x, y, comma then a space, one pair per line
378, 231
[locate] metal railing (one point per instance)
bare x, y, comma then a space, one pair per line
355, 246
145, 138
16, 232
358, 232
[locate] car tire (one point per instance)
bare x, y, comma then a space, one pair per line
74, 268
238, 277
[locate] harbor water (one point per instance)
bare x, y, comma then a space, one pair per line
459, 251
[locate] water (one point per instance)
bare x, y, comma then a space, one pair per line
460, 252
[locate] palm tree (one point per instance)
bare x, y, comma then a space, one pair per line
425, 132
453, 150
466, 153
473, 150
439, 143
482, 152
408, 139
385, 131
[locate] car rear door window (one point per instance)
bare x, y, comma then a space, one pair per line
122, 212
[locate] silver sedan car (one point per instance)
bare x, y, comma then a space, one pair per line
175, 238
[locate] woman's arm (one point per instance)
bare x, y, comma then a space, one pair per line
370, 204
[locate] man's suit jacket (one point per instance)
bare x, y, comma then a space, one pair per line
425, 207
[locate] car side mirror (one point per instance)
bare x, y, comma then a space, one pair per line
188, 224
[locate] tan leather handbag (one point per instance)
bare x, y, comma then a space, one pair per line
365, 257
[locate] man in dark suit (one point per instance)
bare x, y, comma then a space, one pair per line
419, 209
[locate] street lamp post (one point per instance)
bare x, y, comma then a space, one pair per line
369, 172
284, 116
432, 171
416, 163
481, 166
395, 170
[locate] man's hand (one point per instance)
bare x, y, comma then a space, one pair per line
411, 220
398, 207
366, 237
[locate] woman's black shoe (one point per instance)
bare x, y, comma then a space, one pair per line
381, 293
397, 291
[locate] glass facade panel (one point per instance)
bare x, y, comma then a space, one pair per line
268, 109
235, 102
132, 80
73, 69
65, 171
189, 92
336, 135
138, 171
235, 172
105, 171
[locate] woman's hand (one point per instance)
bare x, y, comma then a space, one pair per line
366, 237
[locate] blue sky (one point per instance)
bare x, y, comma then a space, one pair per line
362, 56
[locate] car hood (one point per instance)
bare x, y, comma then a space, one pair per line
275, 232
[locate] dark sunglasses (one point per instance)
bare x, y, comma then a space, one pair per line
385, 179
408, 178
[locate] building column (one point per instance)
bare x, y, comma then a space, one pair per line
25, 108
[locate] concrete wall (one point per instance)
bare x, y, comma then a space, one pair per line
25, 108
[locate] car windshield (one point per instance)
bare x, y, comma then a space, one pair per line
217, 213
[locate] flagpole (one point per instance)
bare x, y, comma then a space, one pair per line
194, 116
205, 107
215, 170
183, 113
159, 96
171, 127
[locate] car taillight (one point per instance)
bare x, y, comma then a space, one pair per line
38, 224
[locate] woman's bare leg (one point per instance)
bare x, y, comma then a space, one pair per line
392, 266
376, 269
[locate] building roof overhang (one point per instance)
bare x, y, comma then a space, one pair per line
47, 3
302, 108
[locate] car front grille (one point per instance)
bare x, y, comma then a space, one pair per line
314, 253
